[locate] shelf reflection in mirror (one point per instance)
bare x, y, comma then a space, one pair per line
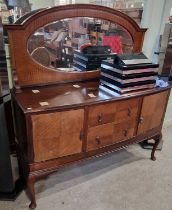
56, 44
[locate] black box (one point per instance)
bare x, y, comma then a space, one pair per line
128, 73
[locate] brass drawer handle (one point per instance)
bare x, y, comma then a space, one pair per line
99, 117
129, 111
98, 140
141, 120
125, 132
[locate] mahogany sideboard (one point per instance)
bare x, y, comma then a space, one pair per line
73, 126
65, 117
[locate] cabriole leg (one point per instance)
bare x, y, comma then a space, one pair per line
157, 140
31, 191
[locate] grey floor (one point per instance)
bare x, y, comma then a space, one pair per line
124, 180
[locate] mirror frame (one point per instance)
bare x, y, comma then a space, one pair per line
27, 72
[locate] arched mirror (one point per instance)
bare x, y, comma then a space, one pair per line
56, 44
50, 40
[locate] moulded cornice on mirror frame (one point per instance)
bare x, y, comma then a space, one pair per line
29, 73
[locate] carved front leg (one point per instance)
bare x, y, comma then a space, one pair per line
157, 141
31, 191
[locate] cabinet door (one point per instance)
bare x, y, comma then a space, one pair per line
57, 134
152, 112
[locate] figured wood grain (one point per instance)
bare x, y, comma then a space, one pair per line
67, 160
57, 134
113, 112
52, 151
126, 110
153, 108
99, 136
70, 144
101, 114
124, 130
112, 122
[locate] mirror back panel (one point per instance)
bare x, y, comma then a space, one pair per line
44, 44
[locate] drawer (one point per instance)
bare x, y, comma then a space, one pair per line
100, 136
101, 114
124, 130
113, 112
126, 110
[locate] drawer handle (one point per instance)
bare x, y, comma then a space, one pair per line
125, 132
99, 118
141, 120
129, 111
98, 140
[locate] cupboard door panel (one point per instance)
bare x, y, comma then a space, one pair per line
70, 144
99, 136
72, 121
71, 127
57, 134
153, 108
46, 125
46, 132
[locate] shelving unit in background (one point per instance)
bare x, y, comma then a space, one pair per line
133, 8
166, 48
10, 182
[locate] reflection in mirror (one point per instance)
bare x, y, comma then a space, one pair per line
78, 44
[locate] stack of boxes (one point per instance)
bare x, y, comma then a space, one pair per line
128, 73
91, 58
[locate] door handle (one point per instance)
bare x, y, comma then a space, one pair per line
141, 120
81, 136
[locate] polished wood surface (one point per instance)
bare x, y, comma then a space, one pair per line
33, 73
116, 116
101, 114
103, 124
152, 111
113, 122
60, 124
66, 96
127, 110
124, 130
54, 164
100, 136
57, 134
